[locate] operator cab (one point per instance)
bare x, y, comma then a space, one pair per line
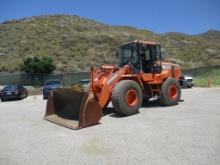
143, 55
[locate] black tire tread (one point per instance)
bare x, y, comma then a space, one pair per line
117, 94
164, 98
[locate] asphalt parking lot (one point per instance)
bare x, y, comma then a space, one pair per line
188, 133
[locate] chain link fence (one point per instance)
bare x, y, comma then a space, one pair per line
202, 75
39, 79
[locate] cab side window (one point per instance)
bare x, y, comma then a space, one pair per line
146, 58
157, 52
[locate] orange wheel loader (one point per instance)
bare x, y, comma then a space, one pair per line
141, 75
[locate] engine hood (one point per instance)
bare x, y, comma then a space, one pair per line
167, 65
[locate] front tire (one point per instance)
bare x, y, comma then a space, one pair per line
170, 92
127, 97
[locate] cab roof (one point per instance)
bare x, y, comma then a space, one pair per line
141, 42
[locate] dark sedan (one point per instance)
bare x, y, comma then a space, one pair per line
11, 92
50, 85
84, 83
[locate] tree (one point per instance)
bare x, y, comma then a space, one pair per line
38, 65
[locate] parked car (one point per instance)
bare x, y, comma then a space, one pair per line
11, 92
186, 81
50, 85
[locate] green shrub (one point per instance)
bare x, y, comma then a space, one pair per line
38, 65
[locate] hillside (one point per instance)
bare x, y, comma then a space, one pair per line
76, 43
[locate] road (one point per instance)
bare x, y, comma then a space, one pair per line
188, 133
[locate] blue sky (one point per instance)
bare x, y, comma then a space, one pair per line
187, 16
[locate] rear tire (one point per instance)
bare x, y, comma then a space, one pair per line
170, 92
26, 94
20, 97
189, 85
127, 97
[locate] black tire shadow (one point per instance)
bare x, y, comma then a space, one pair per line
13, 100
110, 111
153, 103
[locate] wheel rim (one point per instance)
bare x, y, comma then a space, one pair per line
131, 97
173, 92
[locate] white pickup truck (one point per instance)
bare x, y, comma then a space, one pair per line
186, 81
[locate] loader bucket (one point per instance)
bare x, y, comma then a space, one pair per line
72, 109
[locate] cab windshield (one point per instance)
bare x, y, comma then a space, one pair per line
128, 54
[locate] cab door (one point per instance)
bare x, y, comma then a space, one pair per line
146, 62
